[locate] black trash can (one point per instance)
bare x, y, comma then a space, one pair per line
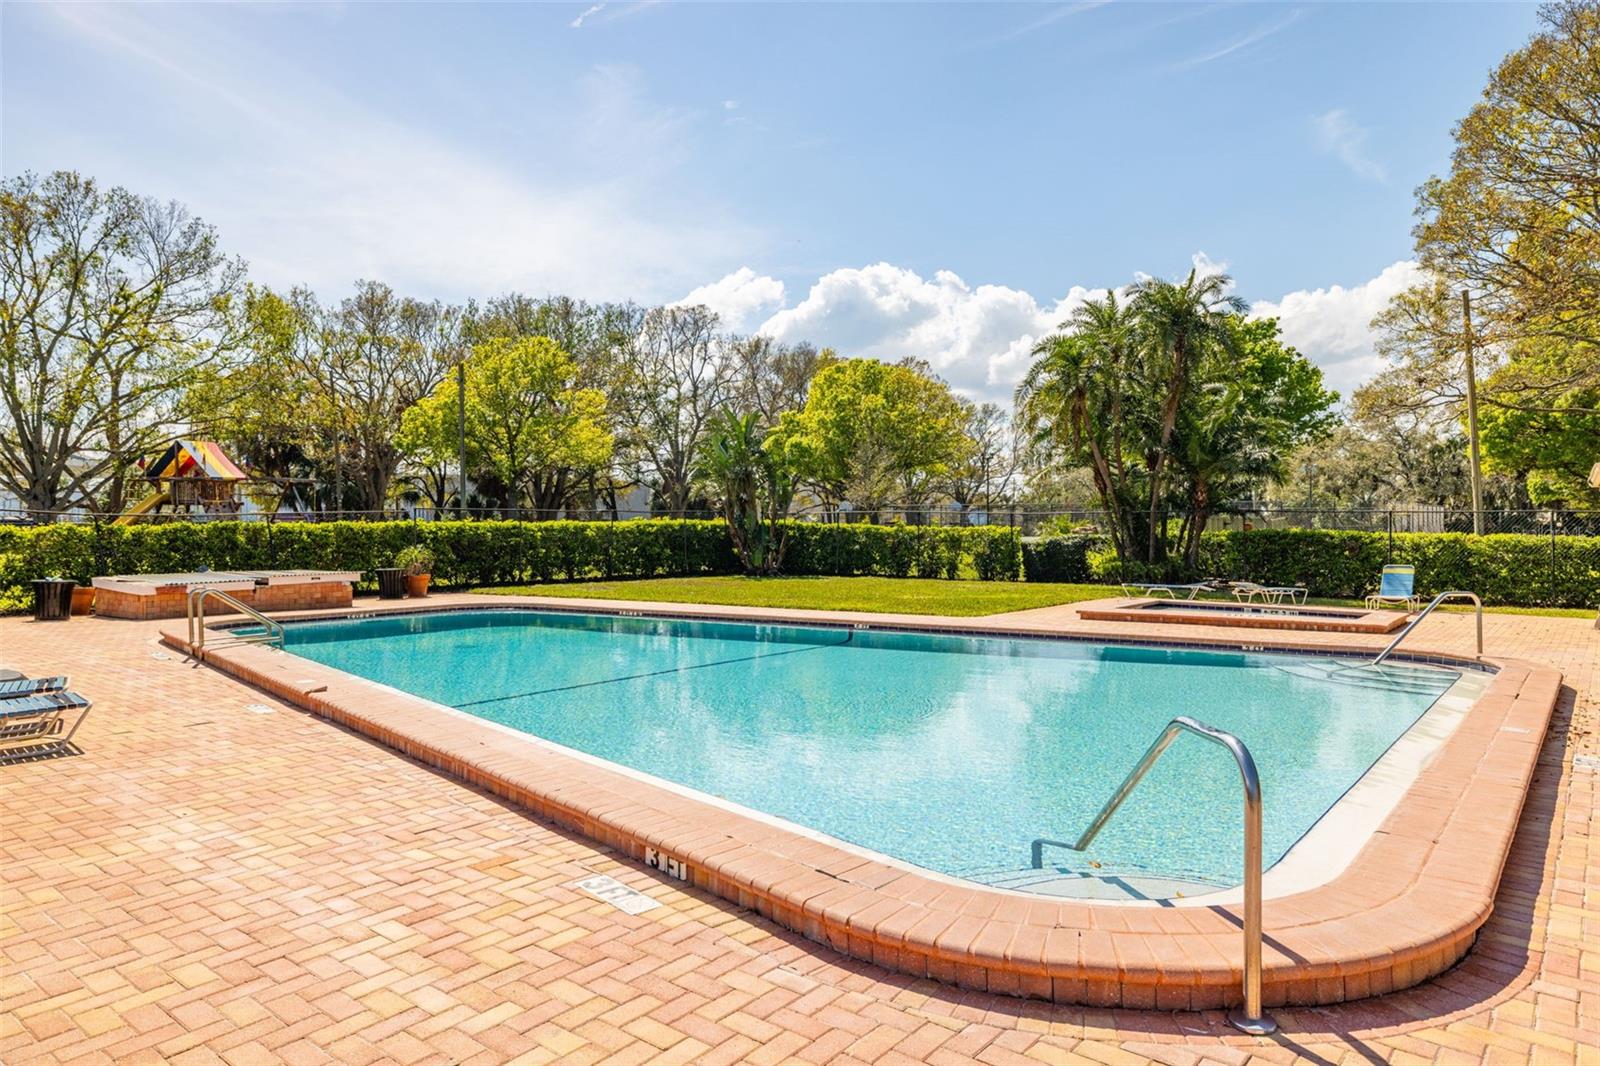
52, 598
391, 583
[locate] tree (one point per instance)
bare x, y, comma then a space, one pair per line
984, 474
755, 488
598, 337
869, 429
1251, 412
675, 376
1086, 400
529, 424
1170, 399
377, 354
327, 386
1400, 462
1551, 449
430, 444
1178, 326
108, 303
259, 403
1516, 223
1517, 219
770, 378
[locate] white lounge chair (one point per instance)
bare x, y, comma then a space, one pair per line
1247, 591
1164, 590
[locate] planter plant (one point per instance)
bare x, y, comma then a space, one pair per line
417, 564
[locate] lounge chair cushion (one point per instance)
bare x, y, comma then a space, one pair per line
24, 706
28, 686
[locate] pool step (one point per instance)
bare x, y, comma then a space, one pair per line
1130, 883
1369, 677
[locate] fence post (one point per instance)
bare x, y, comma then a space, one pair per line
1554, 595
1390, 520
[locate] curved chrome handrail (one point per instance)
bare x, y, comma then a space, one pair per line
197, 618
1250, 1019
1437, 600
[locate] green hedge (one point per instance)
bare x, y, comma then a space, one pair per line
489, 552
1058, 558
1516, 569
1510, 568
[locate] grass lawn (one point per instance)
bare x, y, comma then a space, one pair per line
889, 595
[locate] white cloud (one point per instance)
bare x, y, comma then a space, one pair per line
1240, 44
979, 338
1054, 15
730, 105
578, 22
743, 299
1332, 326
1339, 135
315, 187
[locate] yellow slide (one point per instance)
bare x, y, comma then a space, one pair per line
143, 507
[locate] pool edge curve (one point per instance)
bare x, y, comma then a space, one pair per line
1407, 907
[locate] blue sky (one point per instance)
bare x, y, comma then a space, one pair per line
938, 180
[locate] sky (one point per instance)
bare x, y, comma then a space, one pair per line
939, 180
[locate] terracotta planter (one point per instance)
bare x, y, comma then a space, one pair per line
82, 599
417, 585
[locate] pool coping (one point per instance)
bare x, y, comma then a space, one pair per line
1407, 907
1374, 623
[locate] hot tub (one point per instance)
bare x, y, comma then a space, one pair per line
166, 595
1255, 615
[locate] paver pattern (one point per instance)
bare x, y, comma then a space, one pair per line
220, 877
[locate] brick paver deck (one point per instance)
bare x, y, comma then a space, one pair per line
221, 877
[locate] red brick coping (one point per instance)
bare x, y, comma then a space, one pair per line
1406, 908
1240, 617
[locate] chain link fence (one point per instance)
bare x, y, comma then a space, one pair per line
1550, 523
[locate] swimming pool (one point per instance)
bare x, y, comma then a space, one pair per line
949, 752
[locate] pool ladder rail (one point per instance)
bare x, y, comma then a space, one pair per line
271, 632
1437, 600
1250, 1018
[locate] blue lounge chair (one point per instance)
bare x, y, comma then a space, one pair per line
1398, 585
31, 725
30, 686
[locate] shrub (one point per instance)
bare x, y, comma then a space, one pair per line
466, 554
1508, 568
1058, 558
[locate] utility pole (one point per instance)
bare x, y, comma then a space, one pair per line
1472, 415
461, 438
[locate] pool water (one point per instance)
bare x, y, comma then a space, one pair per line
950, 752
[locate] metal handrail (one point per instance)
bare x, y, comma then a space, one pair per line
1437, 600
1250, 1019
197, 618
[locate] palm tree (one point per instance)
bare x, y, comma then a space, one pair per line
1220, 447
1074, 396
1177, 325
755, 487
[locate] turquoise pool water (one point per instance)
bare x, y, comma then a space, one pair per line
949, 752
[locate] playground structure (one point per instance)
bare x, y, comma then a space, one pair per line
191, 477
